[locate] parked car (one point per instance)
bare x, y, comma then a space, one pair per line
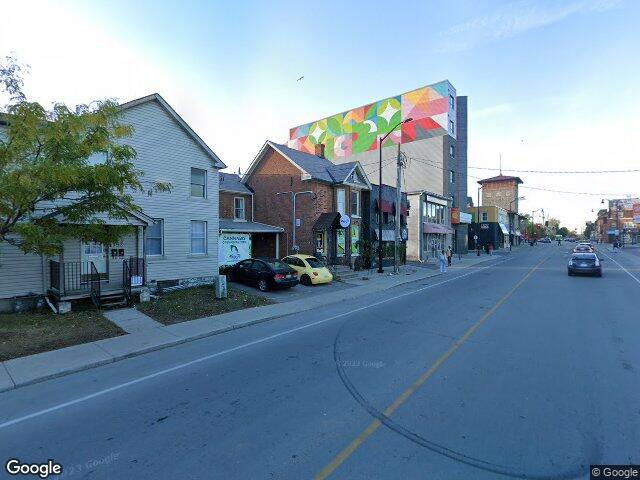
545, 240
310, 270
264, 273
587, 263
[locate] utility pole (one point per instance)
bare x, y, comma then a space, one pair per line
400, 166
293, 215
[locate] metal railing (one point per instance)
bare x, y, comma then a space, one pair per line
95, 285
69, 277
133, 275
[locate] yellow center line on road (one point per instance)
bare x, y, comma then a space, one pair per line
375, 424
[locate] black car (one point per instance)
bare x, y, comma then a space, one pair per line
264, 273
587, 263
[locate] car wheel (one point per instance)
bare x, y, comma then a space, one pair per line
263, 286
570, 273
305, 280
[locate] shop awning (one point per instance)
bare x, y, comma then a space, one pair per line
327, 221
387, 207
435, 228
387, 235
504, 229
227, 225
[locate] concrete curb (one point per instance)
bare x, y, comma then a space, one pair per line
23, 371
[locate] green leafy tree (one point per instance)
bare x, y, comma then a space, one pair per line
49, 189
564, 231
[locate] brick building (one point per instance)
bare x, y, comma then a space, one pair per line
330, 192
240, 236
502, 191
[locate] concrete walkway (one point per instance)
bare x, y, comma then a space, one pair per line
148, 335
131, 320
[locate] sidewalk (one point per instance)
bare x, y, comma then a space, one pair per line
147, 337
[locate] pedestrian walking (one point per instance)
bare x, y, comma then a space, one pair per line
490, 247
449, 255
443, 266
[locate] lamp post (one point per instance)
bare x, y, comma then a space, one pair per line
478, 223
510, 215
293, 222
533, 223
382, 139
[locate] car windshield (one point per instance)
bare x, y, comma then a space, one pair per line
278, 264
314, 262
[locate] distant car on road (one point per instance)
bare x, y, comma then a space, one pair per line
584, 263
583, 249
545, 240
310, 270
264, 273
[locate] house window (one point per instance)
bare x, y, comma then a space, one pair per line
452, 151
385, 218
198, 237
452, 176
238, 208
341, 198
451, 127
452, 102
355, 203
198, 182
155, 237
484, 216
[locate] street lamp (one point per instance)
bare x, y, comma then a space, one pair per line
477, 239
510, 215
382, 139
293, 223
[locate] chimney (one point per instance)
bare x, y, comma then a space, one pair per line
320, 150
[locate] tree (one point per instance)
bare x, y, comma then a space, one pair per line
50, 190
564, 231
589, 229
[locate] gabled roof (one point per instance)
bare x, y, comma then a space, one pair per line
500, 178
311, 166
231, 182
172, 113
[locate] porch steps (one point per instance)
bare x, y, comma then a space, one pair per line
113, 300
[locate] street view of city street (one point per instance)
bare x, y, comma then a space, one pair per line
322, 240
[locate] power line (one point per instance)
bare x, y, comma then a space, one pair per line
632, 170
619, 195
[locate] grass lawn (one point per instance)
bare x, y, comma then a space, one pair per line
198, 302
35, 332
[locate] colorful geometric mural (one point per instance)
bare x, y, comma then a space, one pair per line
358, 130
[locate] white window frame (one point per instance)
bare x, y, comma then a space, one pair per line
452, 127
452, 176
235, 208
485, 216
341, 192
358, 204
452, 102
191, 237
161, 222
191, 184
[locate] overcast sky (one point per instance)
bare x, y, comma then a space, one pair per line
552, 85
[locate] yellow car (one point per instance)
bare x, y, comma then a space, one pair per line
310, 270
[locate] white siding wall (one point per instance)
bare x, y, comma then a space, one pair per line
167, 153
20, 274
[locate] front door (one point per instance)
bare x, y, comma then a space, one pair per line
96, 253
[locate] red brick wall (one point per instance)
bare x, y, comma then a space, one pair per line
500, 193
227, 205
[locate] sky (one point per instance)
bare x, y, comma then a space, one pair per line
552, 85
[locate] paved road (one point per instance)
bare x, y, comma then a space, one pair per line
509, 369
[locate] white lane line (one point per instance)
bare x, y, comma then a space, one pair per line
230, 350
620, 265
